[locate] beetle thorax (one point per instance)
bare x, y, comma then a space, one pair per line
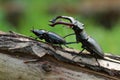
81, 36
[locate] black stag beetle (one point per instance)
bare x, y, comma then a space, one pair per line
50, 37
88, 43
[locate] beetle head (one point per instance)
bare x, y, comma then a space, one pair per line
78, 25
39, 33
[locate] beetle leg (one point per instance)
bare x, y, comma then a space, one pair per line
81, 50
78, 53
67, 46
71, 42
97, 61
69, 35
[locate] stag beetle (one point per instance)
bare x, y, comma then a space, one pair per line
50, 37
88, 42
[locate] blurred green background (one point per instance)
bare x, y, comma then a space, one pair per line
101, 19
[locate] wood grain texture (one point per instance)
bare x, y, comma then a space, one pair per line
18, 55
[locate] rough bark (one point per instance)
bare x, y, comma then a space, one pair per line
18, 55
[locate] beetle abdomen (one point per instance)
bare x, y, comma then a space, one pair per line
54, 38
92, 46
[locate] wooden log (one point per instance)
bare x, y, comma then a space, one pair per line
24, 58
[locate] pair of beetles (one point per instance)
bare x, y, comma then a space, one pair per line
87, 42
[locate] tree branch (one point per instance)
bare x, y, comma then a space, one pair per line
18, 55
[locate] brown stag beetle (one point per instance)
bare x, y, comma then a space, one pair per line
50, 37
88, 42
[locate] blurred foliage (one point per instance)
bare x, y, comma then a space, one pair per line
35, 14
